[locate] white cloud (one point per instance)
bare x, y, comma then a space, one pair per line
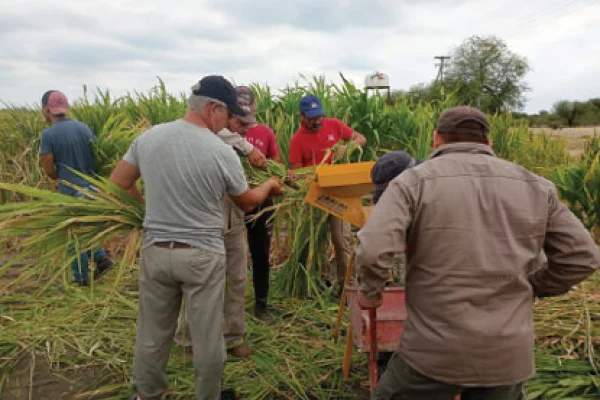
123, 45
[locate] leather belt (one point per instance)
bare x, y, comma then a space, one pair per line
173, 245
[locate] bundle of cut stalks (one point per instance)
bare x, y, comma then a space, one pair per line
55, 228
299, 229
302, 229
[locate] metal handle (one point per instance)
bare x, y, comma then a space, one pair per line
373, 347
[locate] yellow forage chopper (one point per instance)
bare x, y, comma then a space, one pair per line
338, 190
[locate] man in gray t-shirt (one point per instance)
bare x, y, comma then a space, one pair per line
187, 171
182, 204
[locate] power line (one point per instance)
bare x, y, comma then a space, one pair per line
558, 13
534, 22
524, 20
440, 75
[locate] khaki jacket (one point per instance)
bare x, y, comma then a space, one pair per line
233, 216
473, 226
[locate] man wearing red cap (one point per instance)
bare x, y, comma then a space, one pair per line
67, 146
474, 225
258, 228
242, 132
309, 146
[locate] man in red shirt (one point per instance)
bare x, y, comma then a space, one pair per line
309, 145
258, 229
259, 135
317, 134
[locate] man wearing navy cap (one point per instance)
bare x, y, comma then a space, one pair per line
387, 167
187, 172
308, 146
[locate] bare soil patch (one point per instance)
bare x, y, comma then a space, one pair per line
32, 378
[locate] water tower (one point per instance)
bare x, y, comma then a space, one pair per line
378, 81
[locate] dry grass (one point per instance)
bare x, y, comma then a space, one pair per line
576, 137
569, 132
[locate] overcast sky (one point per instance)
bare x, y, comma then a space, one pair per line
123, 45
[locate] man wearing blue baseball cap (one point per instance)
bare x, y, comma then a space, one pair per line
317, 134
309, 145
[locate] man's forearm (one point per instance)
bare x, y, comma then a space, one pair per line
50, 172
383, 236
359, 139
261, 193
570, 250
252, 198
236, 140
137, 195
548, 282
372, 275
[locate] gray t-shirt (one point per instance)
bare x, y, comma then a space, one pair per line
187, 171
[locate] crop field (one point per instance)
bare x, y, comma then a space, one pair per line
59, 341
576, 137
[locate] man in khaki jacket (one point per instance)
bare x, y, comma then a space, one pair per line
472, 225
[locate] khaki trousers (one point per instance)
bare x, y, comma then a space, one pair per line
167, 276
340, 237
234, 235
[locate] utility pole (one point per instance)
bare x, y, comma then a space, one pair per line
440, 75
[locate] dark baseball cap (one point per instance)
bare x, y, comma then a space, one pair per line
218, 88
453, 121
389, 166
311, 107
245, 99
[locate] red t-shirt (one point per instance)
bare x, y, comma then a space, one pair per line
308, 148
263, 138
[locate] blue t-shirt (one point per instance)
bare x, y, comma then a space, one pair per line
71, 143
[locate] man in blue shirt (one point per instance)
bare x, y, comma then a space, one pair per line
64, 145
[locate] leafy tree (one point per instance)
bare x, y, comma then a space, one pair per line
487, 74
567, 110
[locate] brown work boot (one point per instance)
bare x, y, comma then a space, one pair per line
241, 351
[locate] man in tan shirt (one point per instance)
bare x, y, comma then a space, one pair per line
472, 226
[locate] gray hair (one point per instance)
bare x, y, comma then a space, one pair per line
199, 102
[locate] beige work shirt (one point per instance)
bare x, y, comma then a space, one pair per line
473, 225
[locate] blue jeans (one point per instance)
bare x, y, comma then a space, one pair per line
80, 267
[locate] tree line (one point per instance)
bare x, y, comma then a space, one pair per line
484, 73
567, 113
